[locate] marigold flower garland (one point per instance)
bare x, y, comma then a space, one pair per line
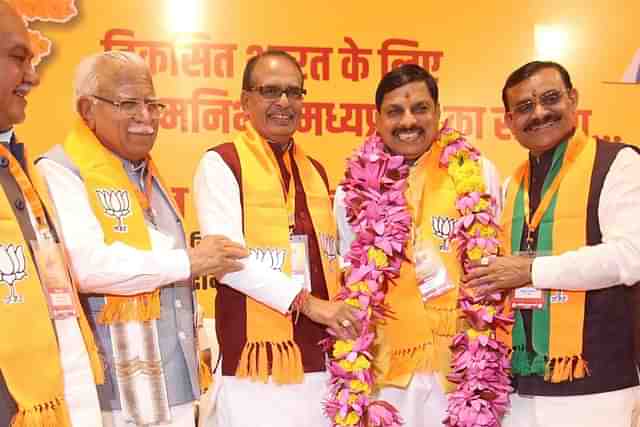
374, 187
480, 363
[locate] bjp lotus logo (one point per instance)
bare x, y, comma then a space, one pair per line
12, 269
443, 229
272, 257
116, 204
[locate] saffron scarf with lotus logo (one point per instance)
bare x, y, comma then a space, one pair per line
557, 328
39, 395
112, 197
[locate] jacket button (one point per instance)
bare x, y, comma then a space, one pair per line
19, 204
4, 162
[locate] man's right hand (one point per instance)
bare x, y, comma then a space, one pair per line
337, 315
216, 255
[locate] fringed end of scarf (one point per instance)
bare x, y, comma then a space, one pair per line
561, 369
527, 363
140, 308
286, 362
206, 379
49, 414
443, 321
403, 363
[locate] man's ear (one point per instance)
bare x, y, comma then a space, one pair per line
86, 107
244, 101
573, 96
508, 120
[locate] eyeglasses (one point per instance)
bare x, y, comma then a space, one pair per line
548, 99
275, 92
131, 107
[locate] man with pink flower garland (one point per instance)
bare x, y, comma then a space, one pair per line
572, 254
413, 357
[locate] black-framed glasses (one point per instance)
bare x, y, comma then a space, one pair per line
275, 92
131, 107
548, 99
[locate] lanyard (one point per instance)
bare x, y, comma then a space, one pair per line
290, 196
144, 197
574, 149
28, 191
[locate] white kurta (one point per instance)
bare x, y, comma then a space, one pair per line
241, 402
116, 269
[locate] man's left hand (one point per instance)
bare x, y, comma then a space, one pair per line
502, 273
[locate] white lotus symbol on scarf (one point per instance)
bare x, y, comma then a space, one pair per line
116, 204
272, 257
12, 269
328, 246
443, 229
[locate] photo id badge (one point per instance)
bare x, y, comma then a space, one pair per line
300, 260
55, 279
528, 297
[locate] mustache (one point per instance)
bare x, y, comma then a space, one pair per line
277, 109
140, 128
397, 131
546, 119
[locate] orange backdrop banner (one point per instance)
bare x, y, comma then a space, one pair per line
196, 50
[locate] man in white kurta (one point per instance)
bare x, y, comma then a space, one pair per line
118, 110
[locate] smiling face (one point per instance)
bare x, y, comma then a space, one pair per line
408, 120
130, 137
274, 119
542, 111
17, 75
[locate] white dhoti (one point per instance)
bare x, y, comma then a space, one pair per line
612, 409
242, 403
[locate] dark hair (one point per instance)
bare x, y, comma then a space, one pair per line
405, 74
528, 70
247, 75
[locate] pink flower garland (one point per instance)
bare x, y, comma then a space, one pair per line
377, 211
480, 363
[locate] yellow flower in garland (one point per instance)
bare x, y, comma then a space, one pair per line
361, 363
353, 302
467, 177
359, 387
359, 287
482, 205
448, 137
475, 254
346, 365
485, 231
469, 185
378, 257
474, 334
350, 420
342, 347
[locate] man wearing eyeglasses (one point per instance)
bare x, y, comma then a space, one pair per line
126, 244
262, 190
572, 254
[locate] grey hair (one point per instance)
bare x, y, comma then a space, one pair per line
87, 75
